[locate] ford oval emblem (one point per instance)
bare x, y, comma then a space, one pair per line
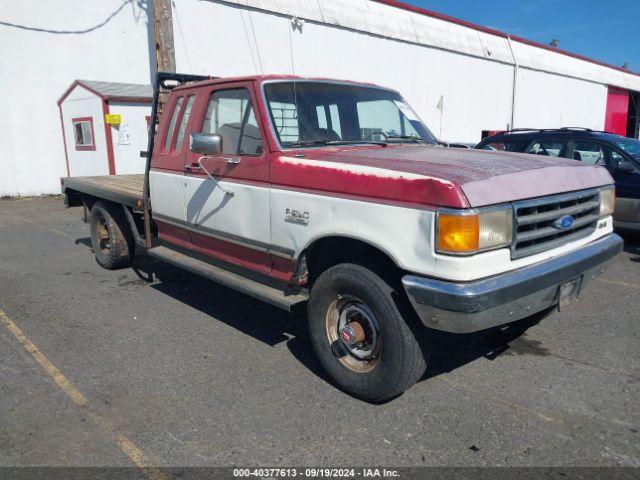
563, 222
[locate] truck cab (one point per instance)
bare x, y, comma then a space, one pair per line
245, 154
334, 198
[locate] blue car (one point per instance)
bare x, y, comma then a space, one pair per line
619, 155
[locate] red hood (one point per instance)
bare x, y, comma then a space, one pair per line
484, 177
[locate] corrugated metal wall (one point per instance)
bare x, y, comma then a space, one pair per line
391, 22
423, 57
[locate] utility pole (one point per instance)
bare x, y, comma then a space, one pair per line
165, 57
163, 36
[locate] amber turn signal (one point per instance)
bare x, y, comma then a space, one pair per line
458, 233
463, 232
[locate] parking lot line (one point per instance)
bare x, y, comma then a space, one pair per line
136, 455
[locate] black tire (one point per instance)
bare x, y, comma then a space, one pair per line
398, 362
111, 236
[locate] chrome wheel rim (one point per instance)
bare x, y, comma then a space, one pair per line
354, 333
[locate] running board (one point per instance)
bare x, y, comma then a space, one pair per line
292, 300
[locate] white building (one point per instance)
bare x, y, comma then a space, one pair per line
462, 79
45, 47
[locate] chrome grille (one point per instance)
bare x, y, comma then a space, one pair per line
534, 228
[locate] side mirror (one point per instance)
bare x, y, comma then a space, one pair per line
206, 143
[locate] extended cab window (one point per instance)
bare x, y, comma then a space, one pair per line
550, 149
172, 123
182, 127
183, 122
230, 114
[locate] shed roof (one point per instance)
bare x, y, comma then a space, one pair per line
131, 92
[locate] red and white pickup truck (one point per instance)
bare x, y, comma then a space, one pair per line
333, 196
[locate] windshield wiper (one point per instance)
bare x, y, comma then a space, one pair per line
313, 143
357, 142
307, 143
405, 137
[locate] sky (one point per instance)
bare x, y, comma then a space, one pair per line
608, 31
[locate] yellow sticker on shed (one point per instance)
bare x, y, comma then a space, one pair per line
113, 118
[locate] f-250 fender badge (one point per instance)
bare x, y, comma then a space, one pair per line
296, 216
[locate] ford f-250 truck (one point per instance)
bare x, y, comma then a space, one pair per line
333, 196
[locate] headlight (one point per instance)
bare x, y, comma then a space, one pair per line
463, 232
607, 201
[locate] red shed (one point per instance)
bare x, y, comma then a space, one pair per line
104, 127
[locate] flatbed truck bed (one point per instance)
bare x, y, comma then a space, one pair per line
123, 189
127, 191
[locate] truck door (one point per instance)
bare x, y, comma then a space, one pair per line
226, 196
167, 170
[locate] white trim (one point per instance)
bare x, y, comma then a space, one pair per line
405, 234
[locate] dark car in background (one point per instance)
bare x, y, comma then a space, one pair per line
619, 155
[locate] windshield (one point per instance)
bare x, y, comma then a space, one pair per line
629, 145
323, 113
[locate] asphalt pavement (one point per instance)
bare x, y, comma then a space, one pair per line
155, 366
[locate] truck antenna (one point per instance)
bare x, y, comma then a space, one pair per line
296, 24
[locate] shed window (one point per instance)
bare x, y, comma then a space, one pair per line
83, 133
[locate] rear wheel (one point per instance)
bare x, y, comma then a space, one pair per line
360, 335
111, 236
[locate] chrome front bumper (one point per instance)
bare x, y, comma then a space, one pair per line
471, 306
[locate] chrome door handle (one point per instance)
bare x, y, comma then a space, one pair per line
232, 160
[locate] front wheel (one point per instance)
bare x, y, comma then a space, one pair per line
360, 335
